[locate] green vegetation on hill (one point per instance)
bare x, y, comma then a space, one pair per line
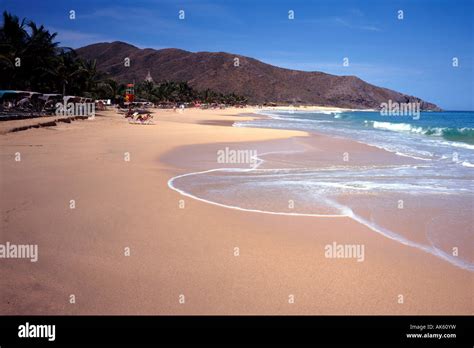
176, 92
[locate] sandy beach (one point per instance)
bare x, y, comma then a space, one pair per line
117, 175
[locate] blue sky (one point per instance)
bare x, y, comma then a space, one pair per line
413, 55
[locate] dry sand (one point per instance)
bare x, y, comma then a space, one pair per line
186, 251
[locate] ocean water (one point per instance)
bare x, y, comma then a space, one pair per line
434, 136
424, 201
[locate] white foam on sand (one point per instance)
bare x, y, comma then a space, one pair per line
346, 212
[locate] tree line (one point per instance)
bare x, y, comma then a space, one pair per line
178, 92
31, 59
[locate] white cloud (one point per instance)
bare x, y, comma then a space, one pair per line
75, 39
341, 22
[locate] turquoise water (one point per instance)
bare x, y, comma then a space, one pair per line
445, 136
449, 125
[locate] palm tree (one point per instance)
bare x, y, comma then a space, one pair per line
66, 70
109, 88
41, 53
13, 39
34, 49
90, 74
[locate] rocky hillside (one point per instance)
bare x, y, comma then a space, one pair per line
254, 79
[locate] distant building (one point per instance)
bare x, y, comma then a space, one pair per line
148, 77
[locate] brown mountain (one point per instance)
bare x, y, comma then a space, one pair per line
256, 80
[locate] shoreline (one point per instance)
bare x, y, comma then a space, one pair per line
12, 125
310, 137
187, 250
